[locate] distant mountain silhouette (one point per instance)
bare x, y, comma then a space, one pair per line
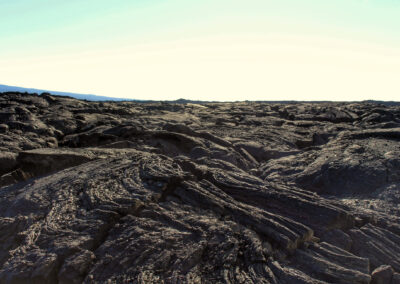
5, 88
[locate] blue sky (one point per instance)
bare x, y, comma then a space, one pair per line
220, 50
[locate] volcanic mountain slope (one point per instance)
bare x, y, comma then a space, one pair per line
122, 192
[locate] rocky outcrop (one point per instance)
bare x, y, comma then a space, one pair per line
382, 274
122, 192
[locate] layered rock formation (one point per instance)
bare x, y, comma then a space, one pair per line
122, 192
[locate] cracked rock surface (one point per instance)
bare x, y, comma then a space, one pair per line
124, 192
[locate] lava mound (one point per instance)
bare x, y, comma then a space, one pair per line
127, 192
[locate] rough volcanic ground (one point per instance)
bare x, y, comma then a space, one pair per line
100, 192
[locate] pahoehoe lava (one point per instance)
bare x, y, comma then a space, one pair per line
127, 192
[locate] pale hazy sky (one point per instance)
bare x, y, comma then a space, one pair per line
208, 49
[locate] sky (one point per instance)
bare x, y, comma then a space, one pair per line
224, 50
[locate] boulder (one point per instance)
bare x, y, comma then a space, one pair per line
382, 275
